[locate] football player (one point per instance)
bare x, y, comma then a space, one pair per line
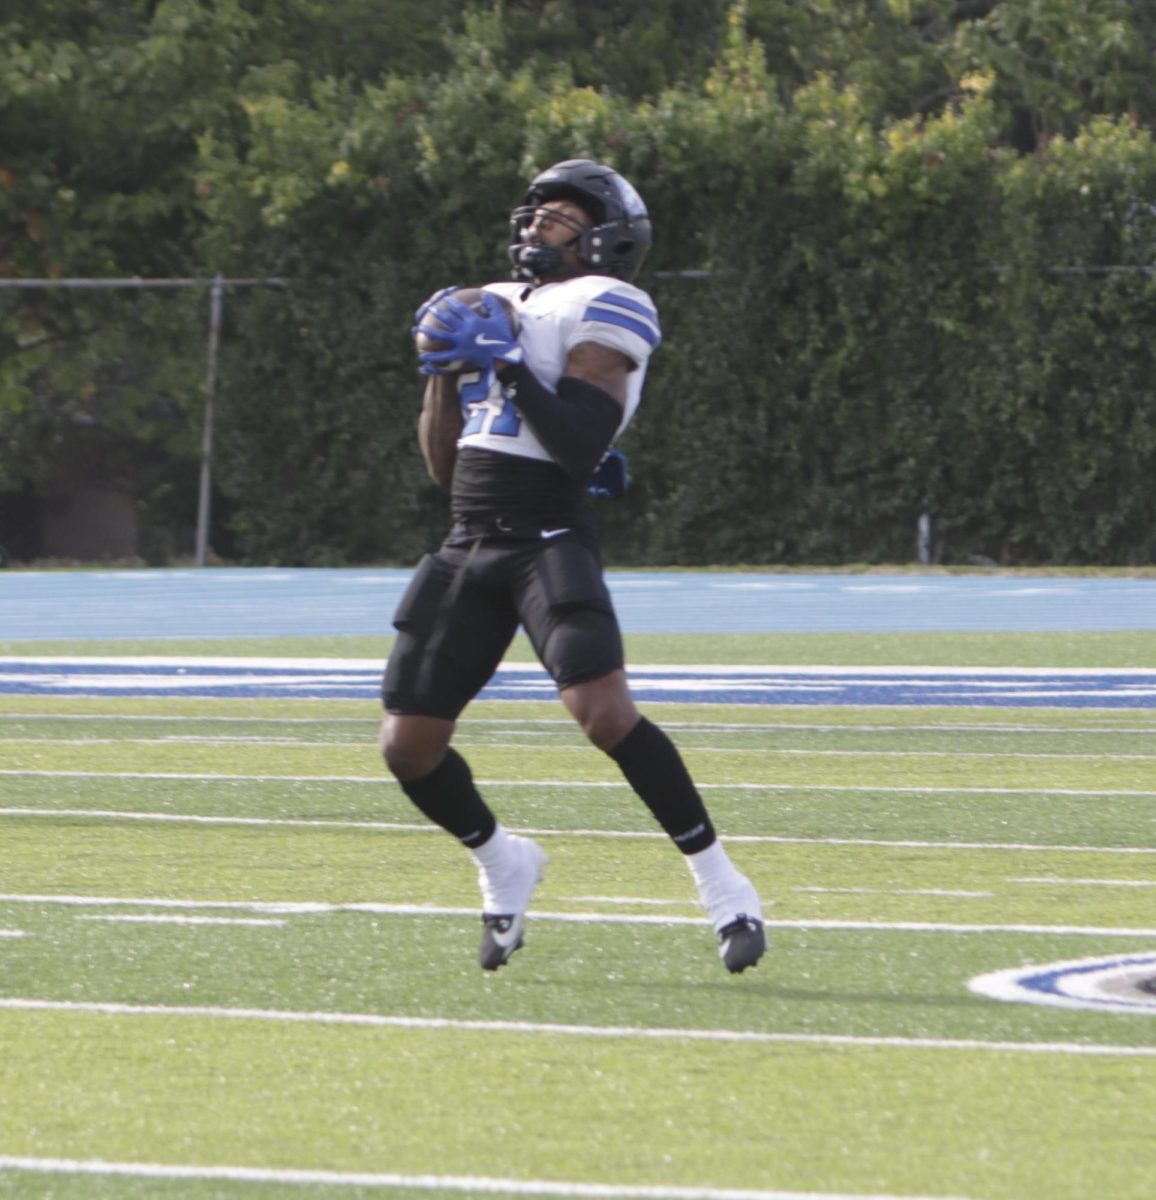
527, 391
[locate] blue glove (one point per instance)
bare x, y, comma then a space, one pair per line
612, 477
475, 337
441, 294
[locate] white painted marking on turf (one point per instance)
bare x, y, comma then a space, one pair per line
590, 785
857, 727
626, 834
12, 933
135, 718
159, 919
581, 918
745, 684
567, 723
221, 740
194, 819
1115, 984
289, 908
583, 748
470, 1184
863, 891
734, 670
1111, 883
195, 662
612, 1032
806, 752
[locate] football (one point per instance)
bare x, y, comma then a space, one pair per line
478, 300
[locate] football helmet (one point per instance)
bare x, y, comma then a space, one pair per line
615, 244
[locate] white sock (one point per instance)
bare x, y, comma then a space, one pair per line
725, 891
494, 859
494, 851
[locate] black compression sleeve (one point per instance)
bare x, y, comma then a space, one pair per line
576, 424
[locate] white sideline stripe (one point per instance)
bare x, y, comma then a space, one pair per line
379, 780
450, 1183
195, 819
192, 739
866, 891
732, 670
583, 748
1111, 883
12, 933
575, 918
824, 727
640, 1032
565, 722
160, 919
803, 752
406, 827
135, 718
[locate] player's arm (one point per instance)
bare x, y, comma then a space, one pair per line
602, 367
439, 426
576, 423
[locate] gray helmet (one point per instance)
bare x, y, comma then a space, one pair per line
615, 245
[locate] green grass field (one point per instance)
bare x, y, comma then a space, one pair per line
237, 964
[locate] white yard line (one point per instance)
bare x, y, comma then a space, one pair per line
195, 819
469, 1184
1110, 883
737, 671
583, 748
864, 891
613, 1032
468, 723
310, 907
612, 834
163, 919
570, 784
223, 719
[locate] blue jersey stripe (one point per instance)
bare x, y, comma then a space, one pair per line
608, 317
625, 302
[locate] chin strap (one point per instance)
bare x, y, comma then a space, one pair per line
532, 261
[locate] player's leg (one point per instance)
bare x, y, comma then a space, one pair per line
654, 768
568, 615
451, 637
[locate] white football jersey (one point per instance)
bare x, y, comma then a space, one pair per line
555, 318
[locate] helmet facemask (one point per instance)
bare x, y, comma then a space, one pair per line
538, 261
615, 242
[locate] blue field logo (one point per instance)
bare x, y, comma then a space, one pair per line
1121, 983
360, 679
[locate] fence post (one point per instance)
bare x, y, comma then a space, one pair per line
216, 304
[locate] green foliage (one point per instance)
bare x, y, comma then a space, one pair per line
895, 316
1055, 63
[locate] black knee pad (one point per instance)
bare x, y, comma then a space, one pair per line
568, 615
584, 644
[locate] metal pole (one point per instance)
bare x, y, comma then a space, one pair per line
216, 304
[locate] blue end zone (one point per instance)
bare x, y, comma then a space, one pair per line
360, 680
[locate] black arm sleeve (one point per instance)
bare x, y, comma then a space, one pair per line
576, 424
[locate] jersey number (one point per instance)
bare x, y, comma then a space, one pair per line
484, 412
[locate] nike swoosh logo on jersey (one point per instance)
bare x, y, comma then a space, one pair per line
551, 533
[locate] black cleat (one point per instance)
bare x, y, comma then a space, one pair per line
741, 943
501, 936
